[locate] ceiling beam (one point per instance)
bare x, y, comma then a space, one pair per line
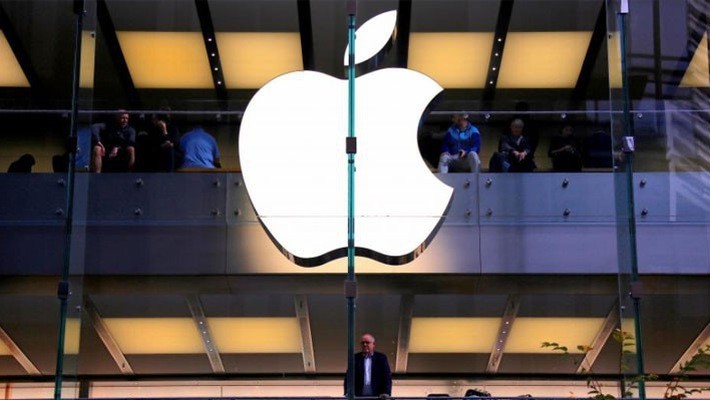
210, 40
404, 23
506, 324
203, 328
108, 31
503, 22
105, 335
406, 311
305, 27
611, 321
590, 59
699, 342
17, 354
304, 322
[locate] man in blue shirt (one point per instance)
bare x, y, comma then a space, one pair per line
199, 150
461, 146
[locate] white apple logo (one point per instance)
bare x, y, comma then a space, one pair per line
292, 153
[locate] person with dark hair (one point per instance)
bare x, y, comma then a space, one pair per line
564, 151
514, 153
23, 164
373, 377
113, 145
461, 146
163, 143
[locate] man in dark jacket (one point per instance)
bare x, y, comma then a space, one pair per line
514, 154
372, 370
113, 145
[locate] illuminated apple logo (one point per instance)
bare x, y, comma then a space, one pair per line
292, 152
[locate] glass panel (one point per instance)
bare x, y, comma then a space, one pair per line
180, 273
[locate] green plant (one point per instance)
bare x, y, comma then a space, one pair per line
626, 340
596, 388
700, 360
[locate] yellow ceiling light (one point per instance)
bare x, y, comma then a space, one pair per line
614, 60
528, 334
11, 74
166, 60
4, 350
256, 335
251, 59
698, 72
454, 60
453, 335
88, 56
543, 60
72, 336
629, 328
155, 335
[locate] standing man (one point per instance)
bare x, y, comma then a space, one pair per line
372, 371
461, 145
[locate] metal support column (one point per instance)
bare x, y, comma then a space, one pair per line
628, 148
351, 283
63, 291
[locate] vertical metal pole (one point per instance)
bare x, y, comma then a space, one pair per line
351, 284
628, 147
63, 290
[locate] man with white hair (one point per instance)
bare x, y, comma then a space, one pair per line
372, 371
461, 146
514, 150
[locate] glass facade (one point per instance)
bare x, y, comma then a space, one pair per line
136, 260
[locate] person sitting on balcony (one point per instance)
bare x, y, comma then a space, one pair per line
564, 151
461, 146
113, 145
23, 164
163, 143
598, 151
199, 150
513, 153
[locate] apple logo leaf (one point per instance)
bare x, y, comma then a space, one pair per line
372, 36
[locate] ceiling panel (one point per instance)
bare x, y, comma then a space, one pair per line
458, 363
10, 367
533, 364
453, 335
155, 335
254, 16
263, 363
235, 305
11, 74
443, 305
154, 15
256, 335
170, 364
454, 16
141, 305
565, 305
545, 15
